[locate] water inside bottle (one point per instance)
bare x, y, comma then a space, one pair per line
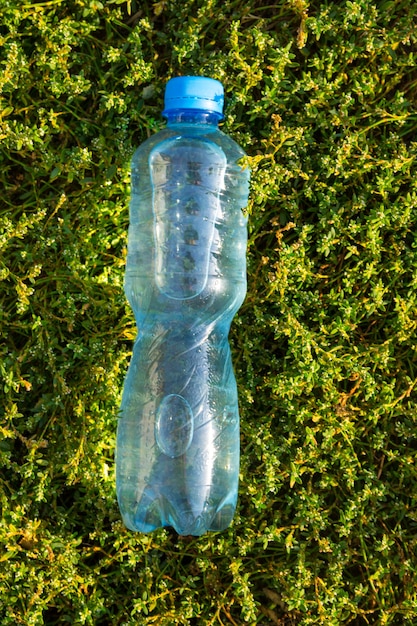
178, 436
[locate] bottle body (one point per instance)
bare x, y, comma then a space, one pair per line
177, 455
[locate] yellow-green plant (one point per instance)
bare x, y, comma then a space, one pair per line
322, 95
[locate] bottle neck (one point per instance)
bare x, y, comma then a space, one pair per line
192, 116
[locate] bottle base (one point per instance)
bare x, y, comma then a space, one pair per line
159, 513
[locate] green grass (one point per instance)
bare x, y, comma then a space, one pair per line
323, 97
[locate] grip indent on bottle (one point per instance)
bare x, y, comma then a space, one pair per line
187, 179
174, 425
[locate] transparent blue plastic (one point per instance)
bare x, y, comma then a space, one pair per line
177, 454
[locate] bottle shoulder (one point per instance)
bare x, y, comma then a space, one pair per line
232, 150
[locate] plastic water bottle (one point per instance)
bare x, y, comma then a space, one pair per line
177, 455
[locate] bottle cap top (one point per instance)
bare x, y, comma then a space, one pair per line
194, 92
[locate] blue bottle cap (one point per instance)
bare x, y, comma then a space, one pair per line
194, 92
